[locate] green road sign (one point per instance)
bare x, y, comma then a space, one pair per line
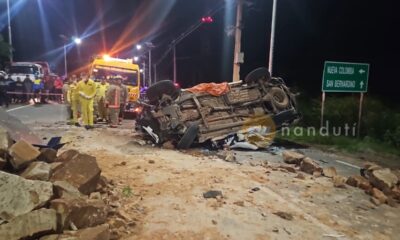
345, 77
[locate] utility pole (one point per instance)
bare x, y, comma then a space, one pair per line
65, 60
238, 39
150, 77
174, 59
144, 73
9, 31
272, 40
155, 73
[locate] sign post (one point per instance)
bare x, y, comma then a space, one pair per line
345, 77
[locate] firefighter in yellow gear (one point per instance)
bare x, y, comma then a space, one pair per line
102, 87
87, 91
113, 101
73, 100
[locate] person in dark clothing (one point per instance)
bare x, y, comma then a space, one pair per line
28, 84
4, 87
19, 89
11, 88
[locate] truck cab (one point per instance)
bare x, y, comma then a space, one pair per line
21, 69
105, 67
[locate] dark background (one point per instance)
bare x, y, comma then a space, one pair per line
308, 32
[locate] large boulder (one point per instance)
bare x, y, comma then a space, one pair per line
383, 179
29, 224
5, 141
379, 195
37, 171
359, 181
19, 196
80, 212
3, 163
47, 155
22, 154
292, 157
101, 232
63, 189
67, 155
81, 171
309, 166
329, 172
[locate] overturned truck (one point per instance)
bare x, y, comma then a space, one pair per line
187, 117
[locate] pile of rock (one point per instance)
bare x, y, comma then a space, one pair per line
381, 183
45, 196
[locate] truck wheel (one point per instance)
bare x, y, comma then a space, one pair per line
155, 92
257, 74
189, 137
279, 98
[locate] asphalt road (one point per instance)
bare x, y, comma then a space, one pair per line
52, 113
43, 113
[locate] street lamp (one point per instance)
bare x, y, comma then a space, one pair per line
77, 41
136, 58
146, 48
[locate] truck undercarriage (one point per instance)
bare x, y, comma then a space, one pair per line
186, 118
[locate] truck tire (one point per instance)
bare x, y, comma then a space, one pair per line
155, 92
257, 74
279, 98
188, 138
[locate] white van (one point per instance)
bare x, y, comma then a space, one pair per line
21, 69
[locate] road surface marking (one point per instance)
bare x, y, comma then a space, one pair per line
348, 164
10, 110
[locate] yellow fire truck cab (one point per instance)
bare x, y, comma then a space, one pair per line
106, 67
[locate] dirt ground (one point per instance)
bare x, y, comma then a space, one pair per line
162, 191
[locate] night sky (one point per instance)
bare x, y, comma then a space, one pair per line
308, 32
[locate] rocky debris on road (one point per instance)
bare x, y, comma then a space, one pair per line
29, 224
288, 168
212, 194
67, 155
309, 166
227, 155
284, 215
65, 190
292, 157
329, 172
37, 171
5, 141
381, 183
379, 196
48, 155
80, 212
339, 181
81, 171
383, 179
359, 181
22, 154
101, 232
33, 207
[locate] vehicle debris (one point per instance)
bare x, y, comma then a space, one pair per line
212, 194
251, 110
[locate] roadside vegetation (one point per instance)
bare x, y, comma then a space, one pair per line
380, 125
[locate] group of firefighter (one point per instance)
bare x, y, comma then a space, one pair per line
102, 100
